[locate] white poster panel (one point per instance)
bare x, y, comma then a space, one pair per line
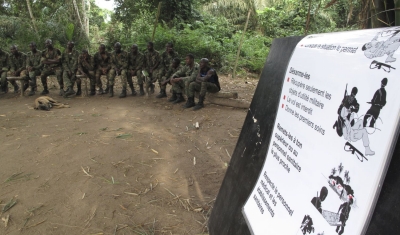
330, 144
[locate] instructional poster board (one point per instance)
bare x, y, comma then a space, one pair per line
332, 136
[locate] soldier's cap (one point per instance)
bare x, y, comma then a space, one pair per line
204, 60
384, 81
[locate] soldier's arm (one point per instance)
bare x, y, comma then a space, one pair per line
80, 61
74, 65
64, 63
91, 64
23, 66
139, 62
210, 73
39, 66
124, 62
181, 72
157, 63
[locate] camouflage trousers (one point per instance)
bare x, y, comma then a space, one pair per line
69, 78
154, 77
52, 71
202, 87
90, 75
98, 74
123, 77
182, 86
32, 77
138, 76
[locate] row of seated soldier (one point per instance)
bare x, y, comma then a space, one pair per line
71, 66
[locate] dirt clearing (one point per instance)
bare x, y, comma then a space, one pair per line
114, 166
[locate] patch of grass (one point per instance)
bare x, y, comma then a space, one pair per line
124, 136
18, 176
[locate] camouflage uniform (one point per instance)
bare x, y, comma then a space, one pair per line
87, 66
4, 68
211, 86
17, 64
102, 62
188, 75
119, 61
151, 59
169, 73
166, 60
135, 62
51, 69
34, 61
70, 65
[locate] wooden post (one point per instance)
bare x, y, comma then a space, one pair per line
240, 45
156, 22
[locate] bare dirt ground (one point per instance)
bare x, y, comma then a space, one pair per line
114, 166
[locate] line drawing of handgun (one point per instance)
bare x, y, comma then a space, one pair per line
379, 65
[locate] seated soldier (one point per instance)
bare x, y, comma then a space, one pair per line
173, 68
182, 78
4, 69
33, 65
51, 60
102, 62
119, 66
85, 67
17, 64
152, 61
166, 60
69, 60
206, 81
135, 64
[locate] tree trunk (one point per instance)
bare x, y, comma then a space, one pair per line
378, 19
79, 16
397, 12
32, 17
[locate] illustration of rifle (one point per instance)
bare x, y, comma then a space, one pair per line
355, 151
380, 65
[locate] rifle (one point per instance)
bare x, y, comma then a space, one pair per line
380, 65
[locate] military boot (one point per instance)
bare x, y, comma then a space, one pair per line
45, 90
179, 98
79, 91
16, 87
132, 89
162, 94
141, 92
190, 103
32, 91
151, 88
123, 93
107, 89
200, 104
70, 91
26, 86
100, 91
173, 97
92, 90
111, 91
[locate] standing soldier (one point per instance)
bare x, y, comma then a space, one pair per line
102, 63
182, 78
69, 62
377, 103
206, 81
135, 64
4, 69
152, 61
17, 64
119, 66
51, 58
166, 60
86, 67
33, 65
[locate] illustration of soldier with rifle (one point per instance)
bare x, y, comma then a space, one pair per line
351, 128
